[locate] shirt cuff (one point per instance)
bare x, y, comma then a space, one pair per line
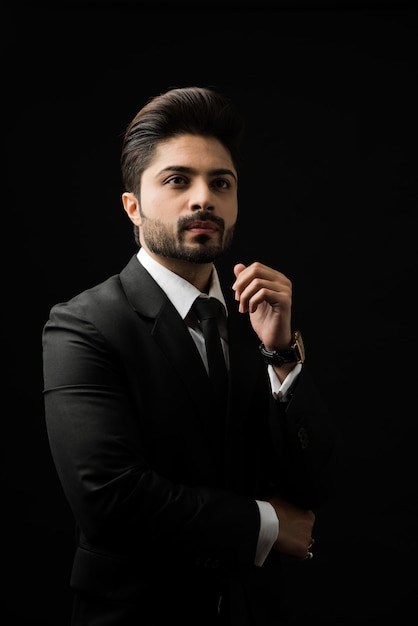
280, 390
269, 531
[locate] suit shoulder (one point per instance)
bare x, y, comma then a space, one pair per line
100, 295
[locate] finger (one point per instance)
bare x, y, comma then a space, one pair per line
254, 271
237, 270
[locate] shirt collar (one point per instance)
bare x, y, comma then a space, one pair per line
181, 293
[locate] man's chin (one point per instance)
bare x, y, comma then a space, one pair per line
200, 253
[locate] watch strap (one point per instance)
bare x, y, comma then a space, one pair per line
279, 357
294, 354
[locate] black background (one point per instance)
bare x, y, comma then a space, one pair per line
328, 194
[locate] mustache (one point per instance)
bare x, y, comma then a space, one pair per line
200, 216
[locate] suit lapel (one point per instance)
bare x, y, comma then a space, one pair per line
243, 368
165, 325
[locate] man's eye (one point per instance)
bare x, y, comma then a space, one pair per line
176, 180
221, 183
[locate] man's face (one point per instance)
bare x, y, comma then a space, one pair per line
188, 204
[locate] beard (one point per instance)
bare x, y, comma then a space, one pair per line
161, 240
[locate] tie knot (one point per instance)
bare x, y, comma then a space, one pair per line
206, 308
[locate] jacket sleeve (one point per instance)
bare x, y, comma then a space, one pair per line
306, 446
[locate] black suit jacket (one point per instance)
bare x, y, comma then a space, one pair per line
162, 493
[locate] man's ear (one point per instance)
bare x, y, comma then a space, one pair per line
131, 206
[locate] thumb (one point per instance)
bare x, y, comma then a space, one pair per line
238, 269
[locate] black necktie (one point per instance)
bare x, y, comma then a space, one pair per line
207, 310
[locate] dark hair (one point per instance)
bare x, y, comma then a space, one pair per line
195, 110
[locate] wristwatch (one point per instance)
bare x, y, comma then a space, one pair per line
294, 354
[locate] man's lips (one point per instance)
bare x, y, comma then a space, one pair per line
206, 226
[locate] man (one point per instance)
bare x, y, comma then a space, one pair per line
184, 507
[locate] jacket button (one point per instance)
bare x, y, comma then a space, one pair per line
303, 437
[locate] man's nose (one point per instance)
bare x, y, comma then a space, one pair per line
201, 198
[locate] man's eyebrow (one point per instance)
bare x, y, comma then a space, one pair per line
220, 171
